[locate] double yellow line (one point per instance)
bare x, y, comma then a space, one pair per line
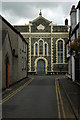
15, 92
59, 100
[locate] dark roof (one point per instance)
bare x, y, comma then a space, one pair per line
76, 27
78, 6
12, 28
60, 28
24, 28
40, 17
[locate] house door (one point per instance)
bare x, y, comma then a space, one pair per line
7, 72
41, 67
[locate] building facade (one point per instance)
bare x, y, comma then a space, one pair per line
46, 45
74, 56
14, 55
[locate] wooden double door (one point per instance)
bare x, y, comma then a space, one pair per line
41, 67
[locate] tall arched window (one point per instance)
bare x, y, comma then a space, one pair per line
46, 49
36, 49
41, 47
60, 51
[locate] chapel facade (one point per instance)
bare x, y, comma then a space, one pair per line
46, 45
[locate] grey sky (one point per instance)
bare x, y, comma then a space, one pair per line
22, 12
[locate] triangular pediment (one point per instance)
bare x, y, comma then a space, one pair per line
40, 24
40, 18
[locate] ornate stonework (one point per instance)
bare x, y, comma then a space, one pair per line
41, 29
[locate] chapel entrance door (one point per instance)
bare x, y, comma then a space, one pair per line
41, 67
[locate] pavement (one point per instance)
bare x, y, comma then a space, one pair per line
72, 91
7, 91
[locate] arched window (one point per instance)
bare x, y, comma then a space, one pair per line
36, 49
41, 47
46, 49
60, 51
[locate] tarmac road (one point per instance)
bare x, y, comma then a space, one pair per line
40, 99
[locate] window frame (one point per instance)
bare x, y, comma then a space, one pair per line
41, 47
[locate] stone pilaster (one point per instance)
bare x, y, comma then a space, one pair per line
51, 54
29, 54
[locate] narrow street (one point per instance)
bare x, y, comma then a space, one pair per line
40, 60
42, 98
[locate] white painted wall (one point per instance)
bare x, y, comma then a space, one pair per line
73, 68
79, 15
70, 67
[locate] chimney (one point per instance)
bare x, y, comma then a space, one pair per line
78, 7
66, 21
73, 17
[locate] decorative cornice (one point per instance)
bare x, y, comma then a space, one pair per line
44, 35
27, 33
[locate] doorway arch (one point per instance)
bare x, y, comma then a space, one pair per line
42, 61
40, 67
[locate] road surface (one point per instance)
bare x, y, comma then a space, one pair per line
41, 97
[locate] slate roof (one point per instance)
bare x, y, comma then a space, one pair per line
75, 29
55, 28
60, 28
24, 28
38, 20
78, 6
40, 17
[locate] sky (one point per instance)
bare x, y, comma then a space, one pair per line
20, 13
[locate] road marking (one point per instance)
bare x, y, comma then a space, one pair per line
58, 94
61, 100
59, 114
15, 92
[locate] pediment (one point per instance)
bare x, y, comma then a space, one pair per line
41, 18
40, 24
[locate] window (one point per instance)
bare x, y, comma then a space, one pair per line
20, 50
60, 51
41, 47
22, 63
36, 49
45, 49
24, 46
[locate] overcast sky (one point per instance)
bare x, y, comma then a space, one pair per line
20, 13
